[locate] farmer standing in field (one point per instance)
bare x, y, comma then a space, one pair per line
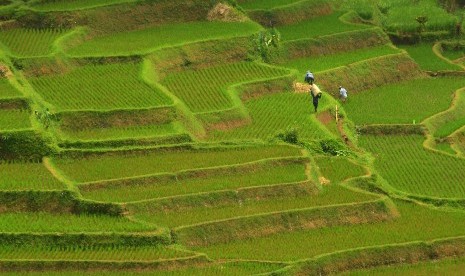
316, 95
342, 94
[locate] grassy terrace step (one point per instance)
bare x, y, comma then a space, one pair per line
445, 123
264, 4
24, 42
197, 181
151, 39
431, 94
297, 245
272, 114
66, 223
409, 167
12, 119
453, 266
259, 226
319, 26
14, 178
206, 89
423, 54
7, 90
326, 62
338, 169
97, 87
120, 164
69, 5
204, 269
245, 202
90, 253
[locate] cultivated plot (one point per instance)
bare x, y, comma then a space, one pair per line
24, 42
13, 178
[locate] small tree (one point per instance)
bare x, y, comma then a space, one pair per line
422, 20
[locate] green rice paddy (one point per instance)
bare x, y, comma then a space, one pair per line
12, 177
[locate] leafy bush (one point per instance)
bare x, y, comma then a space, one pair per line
332, 146
289, 135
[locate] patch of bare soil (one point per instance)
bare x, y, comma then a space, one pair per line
225, 13
324, 181
5, 71
325, 117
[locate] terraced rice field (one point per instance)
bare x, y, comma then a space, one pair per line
12, 177
156, 212
409, 167
338, 169
7, 90
120, 253
99, 87
11, 119
326, 62
150, 39
410, 226
392, 104
315, 27
213, 94
273, 114
113, 166
45, 222
256, 175
30, 42
423, 54
68, 5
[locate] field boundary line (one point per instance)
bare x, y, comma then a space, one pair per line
332, 35
436, 50
48, 163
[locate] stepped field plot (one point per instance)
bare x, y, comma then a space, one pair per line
425, 57
392, 104
127, 164
156, 212
207, 89
11, 119
321, 63
91, 253
264, 4
64, 223
203, 181
410, 226
123, 132
89, 87
319, 26
7, 90
13, 178
68, 5
30, 42
445, 123
150, 39
273, 114
409, 167
338, 169
439, 267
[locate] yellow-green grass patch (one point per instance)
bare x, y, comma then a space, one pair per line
338, 169
11, 119
67, 223
142, 189
27, 176
127, 164
415, 223
68, 5
24, 42
450, 267
392, 104
319, 26
7, 90
264, 4
94, 87
325, 62
274, 114
207, 89
163, 36
409, 167
91, 253
155, 213
425, 57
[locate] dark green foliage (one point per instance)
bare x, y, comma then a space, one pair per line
23, 145
331, 146
267, 44
391, 129
289, 135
